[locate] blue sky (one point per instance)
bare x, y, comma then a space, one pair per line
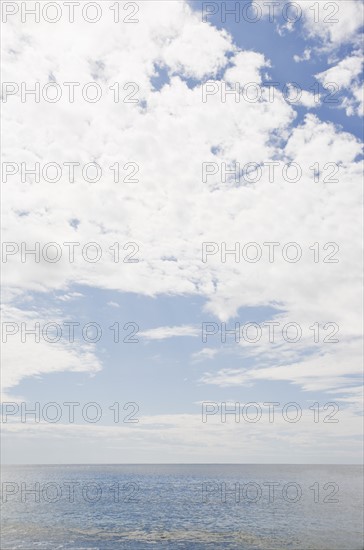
170, 212
159, 364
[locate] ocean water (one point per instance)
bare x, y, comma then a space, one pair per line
240, 507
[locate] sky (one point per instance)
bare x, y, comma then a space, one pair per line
171, 190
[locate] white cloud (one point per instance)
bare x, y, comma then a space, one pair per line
33, 358
161, 333
247, 67
332, 24
323, 370
304, 57
205, 353
70, 296
344, 72
346, 76
301, 97
335, 24
328, 25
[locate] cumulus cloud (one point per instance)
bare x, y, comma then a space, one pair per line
331, 25
334, 24
302, 97
347, 77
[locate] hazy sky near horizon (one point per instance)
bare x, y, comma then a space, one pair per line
182, 211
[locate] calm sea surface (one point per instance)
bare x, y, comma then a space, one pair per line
242, 507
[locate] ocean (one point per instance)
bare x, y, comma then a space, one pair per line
183, 506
